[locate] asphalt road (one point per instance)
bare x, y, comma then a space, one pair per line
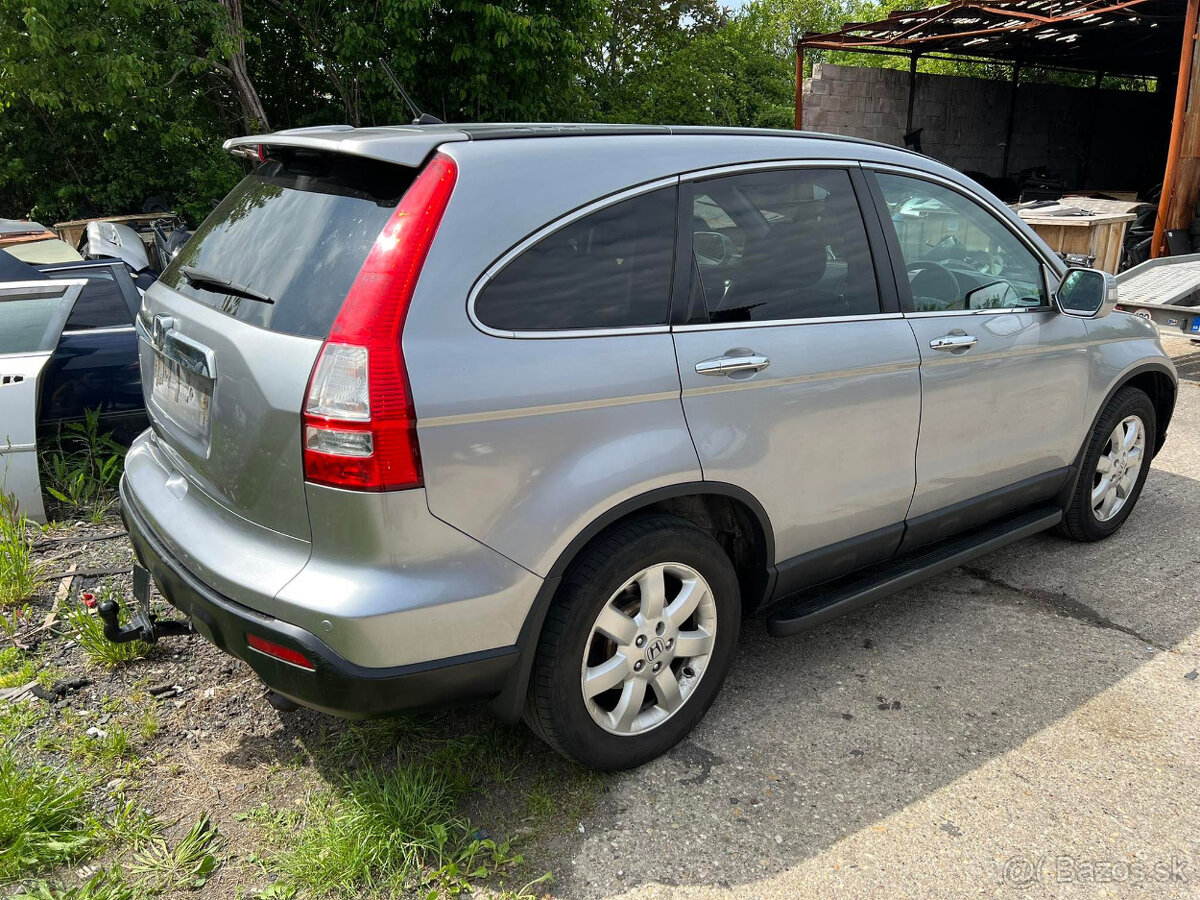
1029, 726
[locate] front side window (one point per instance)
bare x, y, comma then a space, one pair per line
608, 269
783, 244
957, 255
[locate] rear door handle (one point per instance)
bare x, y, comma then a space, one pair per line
725, 365
949, 342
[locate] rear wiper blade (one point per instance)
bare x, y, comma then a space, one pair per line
203, 279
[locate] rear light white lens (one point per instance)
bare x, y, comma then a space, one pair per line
341, 384
338, 442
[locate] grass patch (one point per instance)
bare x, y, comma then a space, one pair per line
187, 865
378, 831
16, 719
392, 832
43, 817
130, 825
16, 668
147, 722
20, 574
83, 468
110, 748
107, 884
88, 631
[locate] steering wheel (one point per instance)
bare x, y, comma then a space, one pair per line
935, 281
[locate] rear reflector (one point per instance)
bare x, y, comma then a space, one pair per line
360, 429
278, 651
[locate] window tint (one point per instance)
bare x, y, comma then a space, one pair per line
297, 233
101, 304
956, 253
609, 269
786, 244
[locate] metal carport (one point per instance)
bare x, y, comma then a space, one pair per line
1154, 38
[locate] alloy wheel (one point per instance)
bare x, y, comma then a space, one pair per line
1118, 467
648, 648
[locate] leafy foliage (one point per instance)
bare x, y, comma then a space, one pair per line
104, 103
83, 468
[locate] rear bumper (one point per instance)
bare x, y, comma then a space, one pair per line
335, 685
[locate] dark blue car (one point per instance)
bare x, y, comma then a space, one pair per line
96, 363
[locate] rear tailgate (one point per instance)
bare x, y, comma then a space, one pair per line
224, 398
230, 332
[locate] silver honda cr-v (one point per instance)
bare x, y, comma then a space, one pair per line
535, 415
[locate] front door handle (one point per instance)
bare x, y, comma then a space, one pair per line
951, 342
726, 365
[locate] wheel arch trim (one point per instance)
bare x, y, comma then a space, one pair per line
511, 700
1123, 380
670, 492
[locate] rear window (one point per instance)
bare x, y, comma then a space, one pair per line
296, 231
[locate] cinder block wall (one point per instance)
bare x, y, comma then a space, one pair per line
964, 120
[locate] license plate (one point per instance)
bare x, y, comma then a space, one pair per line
186, 398
1196, 325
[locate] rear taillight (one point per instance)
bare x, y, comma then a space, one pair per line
360, 430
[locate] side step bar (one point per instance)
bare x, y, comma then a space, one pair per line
874, 583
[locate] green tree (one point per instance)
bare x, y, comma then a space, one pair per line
732, 73
106, 102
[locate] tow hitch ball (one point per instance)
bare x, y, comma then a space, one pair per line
146, 626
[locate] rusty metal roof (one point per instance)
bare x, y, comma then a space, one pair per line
1119, 37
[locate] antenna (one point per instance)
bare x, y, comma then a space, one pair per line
419, 118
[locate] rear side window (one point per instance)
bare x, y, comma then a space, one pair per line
296, 230
608, 269
102, 303
778, 245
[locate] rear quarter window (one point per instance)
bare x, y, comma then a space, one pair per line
296, 230
608, 269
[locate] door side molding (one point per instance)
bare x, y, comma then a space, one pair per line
967, 514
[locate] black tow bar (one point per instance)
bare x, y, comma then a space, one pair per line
146, 626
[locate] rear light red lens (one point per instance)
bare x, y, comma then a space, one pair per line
278, 651
359, 424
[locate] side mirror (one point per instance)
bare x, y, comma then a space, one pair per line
714, 248
1087, 293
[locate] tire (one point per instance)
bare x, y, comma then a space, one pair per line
1085, 519
613, 729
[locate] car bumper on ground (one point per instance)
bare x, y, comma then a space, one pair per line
328, 682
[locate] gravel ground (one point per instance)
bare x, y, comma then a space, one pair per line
1027, 726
